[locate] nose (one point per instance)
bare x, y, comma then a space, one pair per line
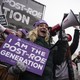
44, 26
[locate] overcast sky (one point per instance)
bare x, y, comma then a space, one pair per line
55, 10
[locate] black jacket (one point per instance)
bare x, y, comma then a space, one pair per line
47, 74
48, 71
67, 55
72, 48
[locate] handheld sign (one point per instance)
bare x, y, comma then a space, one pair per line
23, 13
3, 20
17, 49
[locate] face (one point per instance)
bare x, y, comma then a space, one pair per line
19, 34
42, 29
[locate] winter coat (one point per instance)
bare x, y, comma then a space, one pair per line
67, 56
4, 66
48, 71
47, 74
70, 52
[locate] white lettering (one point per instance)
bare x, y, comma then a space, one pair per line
18, 58
15, 49
39, 52
17, 16
37, 58
22, 7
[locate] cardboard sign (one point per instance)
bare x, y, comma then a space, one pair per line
17, 49
3, 20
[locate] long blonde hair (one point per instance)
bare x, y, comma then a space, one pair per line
33, 35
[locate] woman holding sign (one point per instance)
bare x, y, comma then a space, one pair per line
40, 36
4, 66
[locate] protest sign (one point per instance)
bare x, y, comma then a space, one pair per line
22, 13
3, 20
16, 49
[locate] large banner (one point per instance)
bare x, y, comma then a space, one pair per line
22, 13
16, 49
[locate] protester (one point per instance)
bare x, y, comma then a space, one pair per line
5, 30
77, 59
40, 36
64, 70
77, 62
20, 32
4, 66
75, 71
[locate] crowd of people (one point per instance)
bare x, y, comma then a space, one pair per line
59, 63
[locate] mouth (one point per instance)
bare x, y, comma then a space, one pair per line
43, 30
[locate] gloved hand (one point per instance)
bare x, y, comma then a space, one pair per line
2, 28
62, 36
18, 68
22, 66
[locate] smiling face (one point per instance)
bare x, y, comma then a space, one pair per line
42, 29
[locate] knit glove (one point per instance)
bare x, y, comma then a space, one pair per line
2, 28
18, 68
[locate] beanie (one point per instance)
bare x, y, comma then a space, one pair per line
39, 22
24, 31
